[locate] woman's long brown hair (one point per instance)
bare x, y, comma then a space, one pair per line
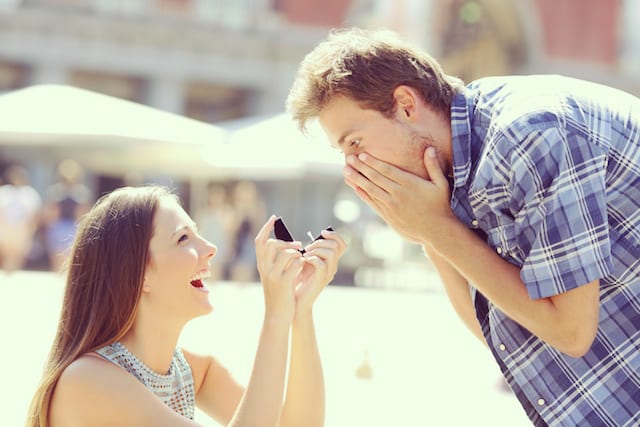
104, 283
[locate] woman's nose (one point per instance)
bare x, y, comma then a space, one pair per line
210, 249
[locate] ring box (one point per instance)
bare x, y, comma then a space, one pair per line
282, 232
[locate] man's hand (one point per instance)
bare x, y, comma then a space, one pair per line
415, 207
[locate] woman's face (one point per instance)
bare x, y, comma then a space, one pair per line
179, 264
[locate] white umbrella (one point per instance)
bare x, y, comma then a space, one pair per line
108, 134
276, 148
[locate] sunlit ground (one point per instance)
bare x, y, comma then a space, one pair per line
426, 369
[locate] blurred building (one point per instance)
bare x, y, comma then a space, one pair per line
216, 60
220, 61
596, 40
209, 59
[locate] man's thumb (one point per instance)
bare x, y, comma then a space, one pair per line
433, 166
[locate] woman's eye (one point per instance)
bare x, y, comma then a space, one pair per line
355, 142
183, 238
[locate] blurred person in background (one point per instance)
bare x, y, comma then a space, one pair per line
136, 278
248, 211
524, 192
20, 206
215, 221
65, 201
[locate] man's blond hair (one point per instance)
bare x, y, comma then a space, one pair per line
366, 66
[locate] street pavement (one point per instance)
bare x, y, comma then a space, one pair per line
396, 358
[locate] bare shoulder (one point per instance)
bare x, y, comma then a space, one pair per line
85, 369
200, 364
87, 391
93, 391
217, 391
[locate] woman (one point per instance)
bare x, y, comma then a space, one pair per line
135, 280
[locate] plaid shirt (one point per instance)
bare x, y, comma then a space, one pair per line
547, 171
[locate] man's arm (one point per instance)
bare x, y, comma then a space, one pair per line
419, 210
568, 321
457, 289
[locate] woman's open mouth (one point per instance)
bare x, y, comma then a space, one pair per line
196, 281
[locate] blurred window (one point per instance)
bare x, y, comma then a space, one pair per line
479, 38
227, 14
13, 76
9, 4
630, 36
212, 103
59, 4
125, 7
121, 86
236, 14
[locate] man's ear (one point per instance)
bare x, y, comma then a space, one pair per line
407, 101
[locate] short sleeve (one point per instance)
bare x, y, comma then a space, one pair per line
560, 177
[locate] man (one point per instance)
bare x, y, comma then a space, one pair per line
523, 191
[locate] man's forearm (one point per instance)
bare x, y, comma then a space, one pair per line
559, 323
457, 288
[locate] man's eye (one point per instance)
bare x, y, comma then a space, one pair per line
354, 142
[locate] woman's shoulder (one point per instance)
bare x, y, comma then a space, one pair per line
88, 370
88, 382
205, 367
200, 364
216, 388
92, 389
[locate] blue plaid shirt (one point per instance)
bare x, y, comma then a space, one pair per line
547, 171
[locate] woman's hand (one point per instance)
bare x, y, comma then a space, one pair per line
280, 265
320, 266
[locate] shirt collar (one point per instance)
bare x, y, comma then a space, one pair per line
461, 137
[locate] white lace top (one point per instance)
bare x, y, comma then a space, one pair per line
175, 388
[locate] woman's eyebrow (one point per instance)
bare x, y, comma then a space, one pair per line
186, 227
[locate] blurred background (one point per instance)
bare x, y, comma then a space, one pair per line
229, 64
97, 94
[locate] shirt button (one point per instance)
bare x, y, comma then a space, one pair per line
502, 347
541, 402
474, 223
499, 250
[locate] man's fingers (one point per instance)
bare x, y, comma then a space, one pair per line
379, 172
433, 167
377, 179
360, 182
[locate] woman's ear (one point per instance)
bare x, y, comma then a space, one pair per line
407, 101
146, 286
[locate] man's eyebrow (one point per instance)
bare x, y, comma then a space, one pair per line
342, 138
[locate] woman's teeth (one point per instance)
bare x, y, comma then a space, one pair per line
196, 281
